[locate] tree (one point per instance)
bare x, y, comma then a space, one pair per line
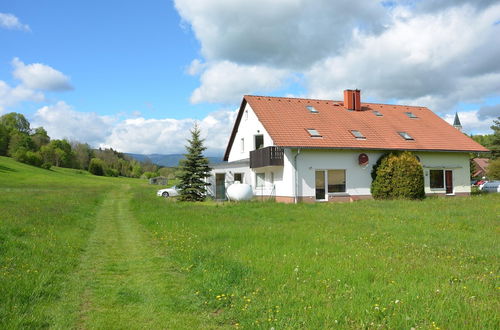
4, 140
82, 154
495, 140
96, 166
40, 138
15, 122
194, 169
399, 176
19, 140
493, 172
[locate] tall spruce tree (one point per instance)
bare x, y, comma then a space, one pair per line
194, 169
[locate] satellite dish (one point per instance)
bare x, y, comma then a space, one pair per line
363, 159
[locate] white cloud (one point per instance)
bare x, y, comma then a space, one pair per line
471, 122
435, 60
11, 96
167, 136
226, 82
284, 33
40, 76
196, 67
62, 121
136, 135
11, 22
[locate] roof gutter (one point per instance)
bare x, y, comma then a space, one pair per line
295, 197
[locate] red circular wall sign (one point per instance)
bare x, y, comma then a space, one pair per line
363, 159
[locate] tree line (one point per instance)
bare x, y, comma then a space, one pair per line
34, 146
492, 142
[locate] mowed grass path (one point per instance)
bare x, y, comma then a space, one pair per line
123, 281
73, 256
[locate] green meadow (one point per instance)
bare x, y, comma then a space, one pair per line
80, 251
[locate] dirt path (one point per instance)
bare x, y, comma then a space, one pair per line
123, 281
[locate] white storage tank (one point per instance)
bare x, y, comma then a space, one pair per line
239, 192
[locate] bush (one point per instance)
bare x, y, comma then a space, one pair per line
111, 172
33, 158
399, 176
149, 175
20, 155
96, 166
46, 166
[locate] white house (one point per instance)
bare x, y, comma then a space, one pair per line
295, 149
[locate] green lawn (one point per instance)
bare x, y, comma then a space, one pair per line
372, 264
79, 251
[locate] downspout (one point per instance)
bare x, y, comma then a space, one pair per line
295, 199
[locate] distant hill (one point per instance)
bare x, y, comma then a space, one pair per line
167, 160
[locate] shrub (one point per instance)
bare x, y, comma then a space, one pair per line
46, 166
399, 176
149, 175
20, 154
33, 158
96, 166
111, 172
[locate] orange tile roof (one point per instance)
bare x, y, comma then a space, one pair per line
287, 120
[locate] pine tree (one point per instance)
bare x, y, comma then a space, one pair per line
194, 169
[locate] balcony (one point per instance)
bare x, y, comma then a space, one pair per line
269, 156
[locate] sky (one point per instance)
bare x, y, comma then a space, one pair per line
136, 76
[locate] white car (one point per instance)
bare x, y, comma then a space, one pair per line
168, 192
492, 186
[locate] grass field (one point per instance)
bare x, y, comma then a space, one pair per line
78, 251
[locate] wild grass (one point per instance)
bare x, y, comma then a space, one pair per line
46, 218
390, 264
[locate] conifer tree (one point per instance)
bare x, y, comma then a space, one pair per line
194, 169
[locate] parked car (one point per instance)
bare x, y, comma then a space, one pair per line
492, 186
168, 192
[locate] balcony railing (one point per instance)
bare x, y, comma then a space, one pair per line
269, 156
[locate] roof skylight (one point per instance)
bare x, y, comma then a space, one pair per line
358, 135
405, 136
311, 109
377, 113
411, 115
313, 133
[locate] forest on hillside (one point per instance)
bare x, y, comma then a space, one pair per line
35, 147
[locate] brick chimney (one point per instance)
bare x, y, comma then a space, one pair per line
352, 99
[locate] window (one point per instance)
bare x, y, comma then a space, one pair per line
313, 133
405, 135
260, 179
410, 115
272, 178
336, 181
238, 177
377, 113
437, 179
259, 141
242, 145
246, 114
312, 109
358, 135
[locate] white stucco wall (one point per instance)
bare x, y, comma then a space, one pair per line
457, 162
248, 128
358, 178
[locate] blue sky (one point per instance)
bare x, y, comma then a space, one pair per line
136, 76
